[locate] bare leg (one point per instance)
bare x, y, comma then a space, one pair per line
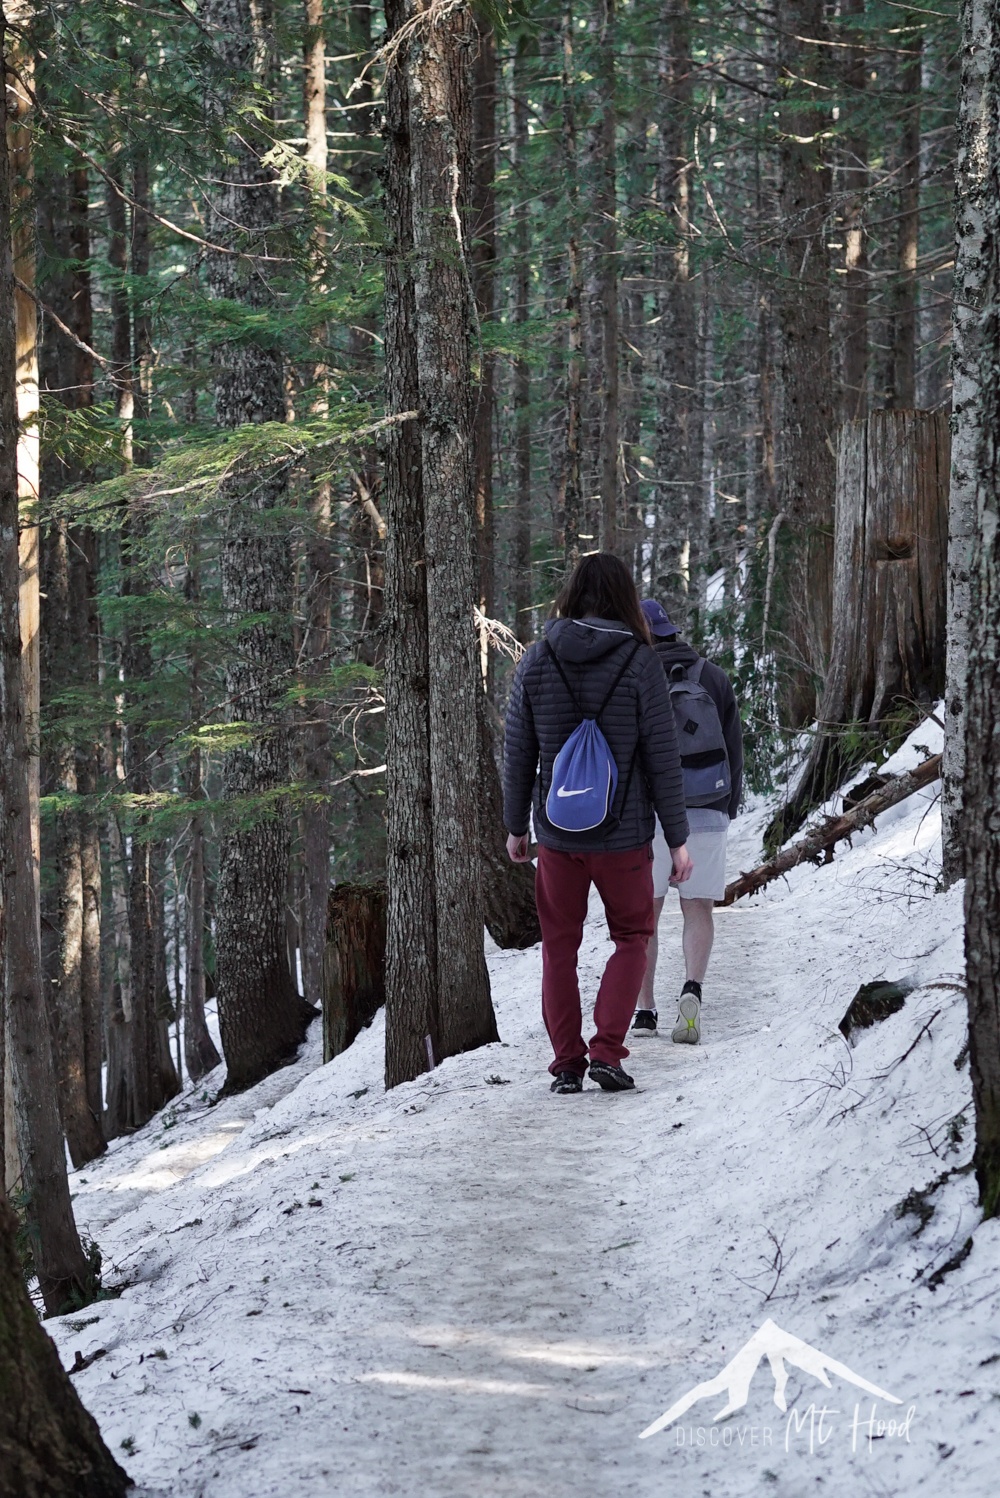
699, 934
645, 1000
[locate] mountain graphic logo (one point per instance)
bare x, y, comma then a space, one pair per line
779, 1347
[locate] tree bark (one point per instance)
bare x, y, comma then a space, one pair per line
571, 490
676, 370
440, 99
483, 261
888, 652
508, 888
437, 986
605, 209
65, 659
805, 601
972, 204
411, 940
980, 130
318, 579
62, 1268
854, 176
50, 1447
262, 1019
902, 395
354, 964
521, 559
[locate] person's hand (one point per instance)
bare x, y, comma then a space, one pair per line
517, 848
683, 868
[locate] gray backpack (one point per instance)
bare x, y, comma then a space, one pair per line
704, 757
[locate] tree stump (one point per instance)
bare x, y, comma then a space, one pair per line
353, 963
509, 909
889, 596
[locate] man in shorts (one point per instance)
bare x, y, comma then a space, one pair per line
709, 831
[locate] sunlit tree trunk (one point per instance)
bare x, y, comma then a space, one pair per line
979, 39
979, 423
62, 1268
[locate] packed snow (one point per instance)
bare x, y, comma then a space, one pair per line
468, 1286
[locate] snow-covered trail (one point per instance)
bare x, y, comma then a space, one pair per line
471, 1287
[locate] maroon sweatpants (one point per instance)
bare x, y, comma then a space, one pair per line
562, 884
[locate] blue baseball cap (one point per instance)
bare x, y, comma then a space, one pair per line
659, 621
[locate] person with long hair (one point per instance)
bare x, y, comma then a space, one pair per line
595, 663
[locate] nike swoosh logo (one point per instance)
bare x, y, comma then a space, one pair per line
560, 793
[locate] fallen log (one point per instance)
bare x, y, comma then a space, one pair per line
820, 842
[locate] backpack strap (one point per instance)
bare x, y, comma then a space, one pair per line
611, 690
562, 673
686, 673
614, 685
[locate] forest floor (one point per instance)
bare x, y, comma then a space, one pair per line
470, 1288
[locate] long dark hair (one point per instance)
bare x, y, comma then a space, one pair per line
601, 587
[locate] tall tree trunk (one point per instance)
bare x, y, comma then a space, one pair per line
482, 230
318, 576
84, 583
200, 1054
972, 207
67, 375
806, 366
571, 491
50, 1447
979, 423
437, 998
523, 623
902, 395
676, 447
153, 1078
854, 175
261, 1016
63, 1271
606, 236
633, 339
411, 939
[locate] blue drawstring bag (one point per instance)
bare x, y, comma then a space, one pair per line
584, 772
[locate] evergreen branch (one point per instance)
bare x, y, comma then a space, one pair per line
55, 318
205, 244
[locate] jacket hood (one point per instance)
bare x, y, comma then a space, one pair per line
584, 640
676, 652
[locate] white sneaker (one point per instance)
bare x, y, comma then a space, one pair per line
687, 1030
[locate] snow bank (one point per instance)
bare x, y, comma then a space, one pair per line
471, 1287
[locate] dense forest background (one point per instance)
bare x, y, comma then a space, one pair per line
698, 242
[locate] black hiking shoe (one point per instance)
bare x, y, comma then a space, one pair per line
611, 1078
567, 1081
645, 1021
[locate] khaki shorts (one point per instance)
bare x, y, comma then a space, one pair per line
707, 839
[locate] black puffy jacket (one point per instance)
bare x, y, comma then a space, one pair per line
674, 651
638, 722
